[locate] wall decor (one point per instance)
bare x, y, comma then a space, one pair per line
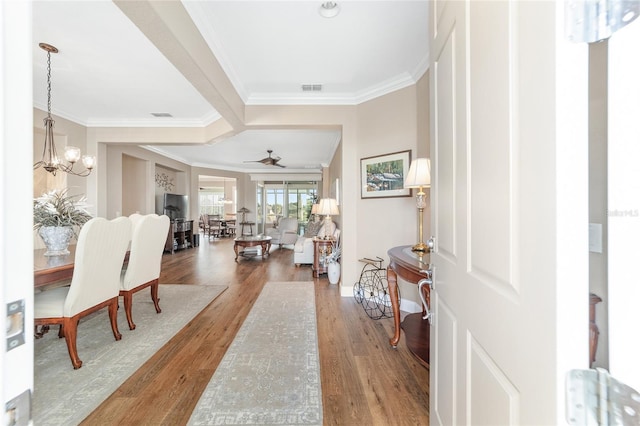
164, 181
383, 175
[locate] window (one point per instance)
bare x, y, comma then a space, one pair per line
274, 207
288, 199
210, 201
216, 195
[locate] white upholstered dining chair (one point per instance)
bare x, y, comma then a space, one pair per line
102, 245
145, 259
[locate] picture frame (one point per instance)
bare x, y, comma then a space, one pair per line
382, 176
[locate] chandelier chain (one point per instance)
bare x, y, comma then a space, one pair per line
49, 83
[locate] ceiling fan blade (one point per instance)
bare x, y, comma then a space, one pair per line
268, 161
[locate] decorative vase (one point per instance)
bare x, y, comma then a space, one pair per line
333, 272
56, 238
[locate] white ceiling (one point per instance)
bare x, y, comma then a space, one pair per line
108, 73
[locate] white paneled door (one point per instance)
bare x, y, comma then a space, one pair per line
509, 212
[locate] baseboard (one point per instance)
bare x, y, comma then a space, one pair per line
410, 306
405, 305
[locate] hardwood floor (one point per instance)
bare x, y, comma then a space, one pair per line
364, 380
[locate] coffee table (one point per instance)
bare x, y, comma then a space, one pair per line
252, 241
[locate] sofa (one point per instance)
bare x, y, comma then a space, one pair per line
303, 248
286, 232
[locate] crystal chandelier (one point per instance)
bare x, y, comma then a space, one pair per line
50, 161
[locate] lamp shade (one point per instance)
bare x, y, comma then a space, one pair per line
328, 206
419, 173
314, 209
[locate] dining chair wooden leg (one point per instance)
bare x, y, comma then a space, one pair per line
113, 317
127, 296
154, 295
70, 325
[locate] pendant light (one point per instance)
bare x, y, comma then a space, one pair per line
224, 199
50, 160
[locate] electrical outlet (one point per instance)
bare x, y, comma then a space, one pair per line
15, 324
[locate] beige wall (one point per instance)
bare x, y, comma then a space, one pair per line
598, 188
112, 166
332, 183
385, 125
172, 176
134, 183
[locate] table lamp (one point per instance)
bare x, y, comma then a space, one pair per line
419, 176
328, 207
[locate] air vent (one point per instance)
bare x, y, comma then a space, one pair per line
161, 114
312, 87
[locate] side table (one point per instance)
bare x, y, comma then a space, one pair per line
321, 248
408, 265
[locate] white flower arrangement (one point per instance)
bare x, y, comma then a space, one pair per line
57, 208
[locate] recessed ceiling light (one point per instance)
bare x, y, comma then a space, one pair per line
329, 9
161, 114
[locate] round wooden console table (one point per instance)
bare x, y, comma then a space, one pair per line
408, 265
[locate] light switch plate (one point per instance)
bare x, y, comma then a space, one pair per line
595, 237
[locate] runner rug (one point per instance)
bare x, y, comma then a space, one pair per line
270, 375
64, 396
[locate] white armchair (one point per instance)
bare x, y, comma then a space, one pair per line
285, 233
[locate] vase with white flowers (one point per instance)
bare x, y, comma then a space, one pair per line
332, 262
57, 216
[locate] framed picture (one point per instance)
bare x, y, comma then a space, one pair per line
383, 175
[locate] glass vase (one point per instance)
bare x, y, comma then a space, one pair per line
56, 238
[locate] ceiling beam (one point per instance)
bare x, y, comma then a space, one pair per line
169, 27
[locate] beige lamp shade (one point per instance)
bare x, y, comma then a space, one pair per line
419, 174
328, 206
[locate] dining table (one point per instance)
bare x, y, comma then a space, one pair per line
48, 270
51, 269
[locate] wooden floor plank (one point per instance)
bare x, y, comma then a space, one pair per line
364, 381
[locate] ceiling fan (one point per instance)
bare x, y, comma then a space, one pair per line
268, 161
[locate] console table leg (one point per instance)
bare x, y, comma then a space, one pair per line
235, 248
392, 279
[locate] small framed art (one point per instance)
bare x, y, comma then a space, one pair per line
383, 175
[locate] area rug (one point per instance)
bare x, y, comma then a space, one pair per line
64, 396
270, 375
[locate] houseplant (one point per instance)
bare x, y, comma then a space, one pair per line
57, 216
333, 266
